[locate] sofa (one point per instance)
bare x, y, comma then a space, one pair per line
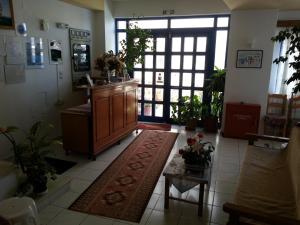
268, 190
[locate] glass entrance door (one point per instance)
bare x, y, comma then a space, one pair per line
191, 64
177, 67
152, 85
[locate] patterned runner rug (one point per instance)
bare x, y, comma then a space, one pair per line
154, 126
123, 190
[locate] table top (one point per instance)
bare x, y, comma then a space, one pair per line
176, 169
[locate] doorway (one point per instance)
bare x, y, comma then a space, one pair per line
186, 49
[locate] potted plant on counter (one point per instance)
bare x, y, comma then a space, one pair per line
134, 46
188, 111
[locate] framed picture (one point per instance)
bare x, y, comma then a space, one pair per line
35, 53
6, 15
249, 58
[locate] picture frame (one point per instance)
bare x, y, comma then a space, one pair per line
7, 20
249, 58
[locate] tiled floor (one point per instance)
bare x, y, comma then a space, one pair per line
227, 160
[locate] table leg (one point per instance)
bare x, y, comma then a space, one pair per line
167, 190
200, 203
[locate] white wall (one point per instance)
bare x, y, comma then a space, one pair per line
22, 104
109, 19
246, 28
139, 8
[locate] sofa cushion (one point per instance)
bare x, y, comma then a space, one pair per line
265, 182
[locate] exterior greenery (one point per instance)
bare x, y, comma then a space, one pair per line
133, 48
292, 34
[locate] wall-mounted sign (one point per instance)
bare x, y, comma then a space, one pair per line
35, 53
249, 58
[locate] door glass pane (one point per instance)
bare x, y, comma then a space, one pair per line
160, 44
199, 80
159, 94
149, 78
199, 93
221, 44
139, 93
147, 109
138, 76
160, 62
150, 45
186, 79
148, 94
175, 79
223, 22
187, 62
188, 44
139, 108
200, 62
174, 95
160, 77
186, 93
150, 24
201, 44
138, 65
149, 61
171, 111
175, 62
176, 44
192, 22
121, 37
159, 110
121, 24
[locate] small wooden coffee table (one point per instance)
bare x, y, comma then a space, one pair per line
176, 169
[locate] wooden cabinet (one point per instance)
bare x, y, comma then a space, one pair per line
241, 118
113, 115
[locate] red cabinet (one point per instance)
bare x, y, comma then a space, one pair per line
241, 118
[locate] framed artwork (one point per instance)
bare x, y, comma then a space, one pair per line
35, 53
6, 15
249, 58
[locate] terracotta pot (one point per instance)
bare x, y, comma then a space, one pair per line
191, 124
210, 124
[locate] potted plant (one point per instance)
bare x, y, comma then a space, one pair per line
197, 153
188, 111
212, 113
31, 155
291, 34
135, 45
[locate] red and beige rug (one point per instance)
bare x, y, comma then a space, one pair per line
123, 190
154, 126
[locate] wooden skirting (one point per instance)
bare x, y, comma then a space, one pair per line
288, 23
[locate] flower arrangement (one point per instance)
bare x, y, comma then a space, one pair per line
197, 152
109, 61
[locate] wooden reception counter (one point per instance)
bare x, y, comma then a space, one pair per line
111, 115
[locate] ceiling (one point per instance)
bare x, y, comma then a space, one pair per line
89, 4
232, 4
263, 4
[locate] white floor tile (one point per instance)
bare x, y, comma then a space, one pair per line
66, 199
219, 216
67, 217
163, 218
49, 213
97, 220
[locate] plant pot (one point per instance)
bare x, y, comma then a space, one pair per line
191, 124
210, 124
39, 183
194, 167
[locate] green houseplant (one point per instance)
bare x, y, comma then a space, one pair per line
292, 34
133, 48
188, 111
31, 154
212, 113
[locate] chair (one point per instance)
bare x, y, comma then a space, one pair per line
293, 113
275, 120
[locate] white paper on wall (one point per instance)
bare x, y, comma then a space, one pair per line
15, 51
14, 74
